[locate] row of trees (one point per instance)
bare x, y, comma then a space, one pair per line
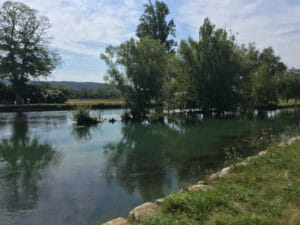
46, 94
99, 93
35, 94
211, 73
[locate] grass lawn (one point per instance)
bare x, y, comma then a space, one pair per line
93, 101
264, 192
291, 102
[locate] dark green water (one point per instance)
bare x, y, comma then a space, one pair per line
54, 173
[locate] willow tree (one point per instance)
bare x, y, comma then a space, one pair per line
137, 69
24, 46
212, 66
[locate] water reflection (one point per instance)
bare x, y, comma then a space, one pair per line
82, 134
110, 168
22, 165
156, 158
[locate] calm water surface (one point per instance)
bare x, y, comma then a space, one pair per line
52, 172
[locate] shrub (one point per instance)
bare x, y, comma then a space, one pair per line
82, 116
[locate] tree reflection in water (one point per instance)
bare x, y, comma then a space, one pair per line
23, 163
156, 158
82, 134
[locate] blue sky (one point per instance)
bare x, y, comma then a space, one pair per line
83, 28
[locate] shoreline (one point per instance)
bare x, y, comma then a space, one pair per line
53, 107
153, 209
66, 107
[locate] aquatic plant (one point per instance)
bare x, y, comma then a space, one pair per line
82, 116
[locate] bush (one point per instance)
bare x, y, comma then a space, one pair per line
82, 116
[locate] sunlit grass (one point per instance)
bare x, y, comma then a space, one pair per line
291, 102
93, 101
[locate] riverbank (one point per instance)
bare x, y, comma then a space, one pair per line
261, 190
72, 104
55, 107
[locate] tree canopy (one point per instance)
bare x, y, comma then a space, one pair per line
153, 23
213, 66
137, 68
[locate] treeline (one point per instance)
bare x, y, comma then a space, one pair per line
211, 73
98, 93
44, 93
34, 94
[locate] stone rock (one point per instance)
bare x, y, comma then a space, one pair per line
225, 171
222, 173
198, 187
262, 153
293, 140
201, 182
159, 201
243, 163
117, 221
143, 211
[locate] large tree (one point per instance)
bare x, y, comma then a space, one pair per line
24, 50
212, 66
153, 23
137, 68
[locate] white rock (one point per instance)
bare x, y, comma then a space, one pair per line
143, 211
198, 187
159, 201
117, 221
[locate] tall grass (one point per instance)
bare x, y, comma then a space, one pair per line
82, 116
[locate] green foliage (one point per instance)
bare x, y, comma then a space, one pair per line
137, 69
289, 85
264, 87
24, 44
196, 205
213, 73
154, 24
45, 94
213, 67
55, 95
243, 220
98, 93
6, 94
82, 116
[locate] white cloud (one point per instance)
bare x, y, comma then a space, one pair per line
86, 27
268, 23
75, 22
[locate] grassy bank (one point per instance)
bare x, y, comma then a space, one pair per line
290, 102
94, 101
265, 191
71, 104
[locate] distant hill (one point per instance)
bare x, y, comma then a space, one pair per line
71, 84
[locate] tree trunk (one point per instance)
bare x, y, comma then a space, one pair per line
19, 89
